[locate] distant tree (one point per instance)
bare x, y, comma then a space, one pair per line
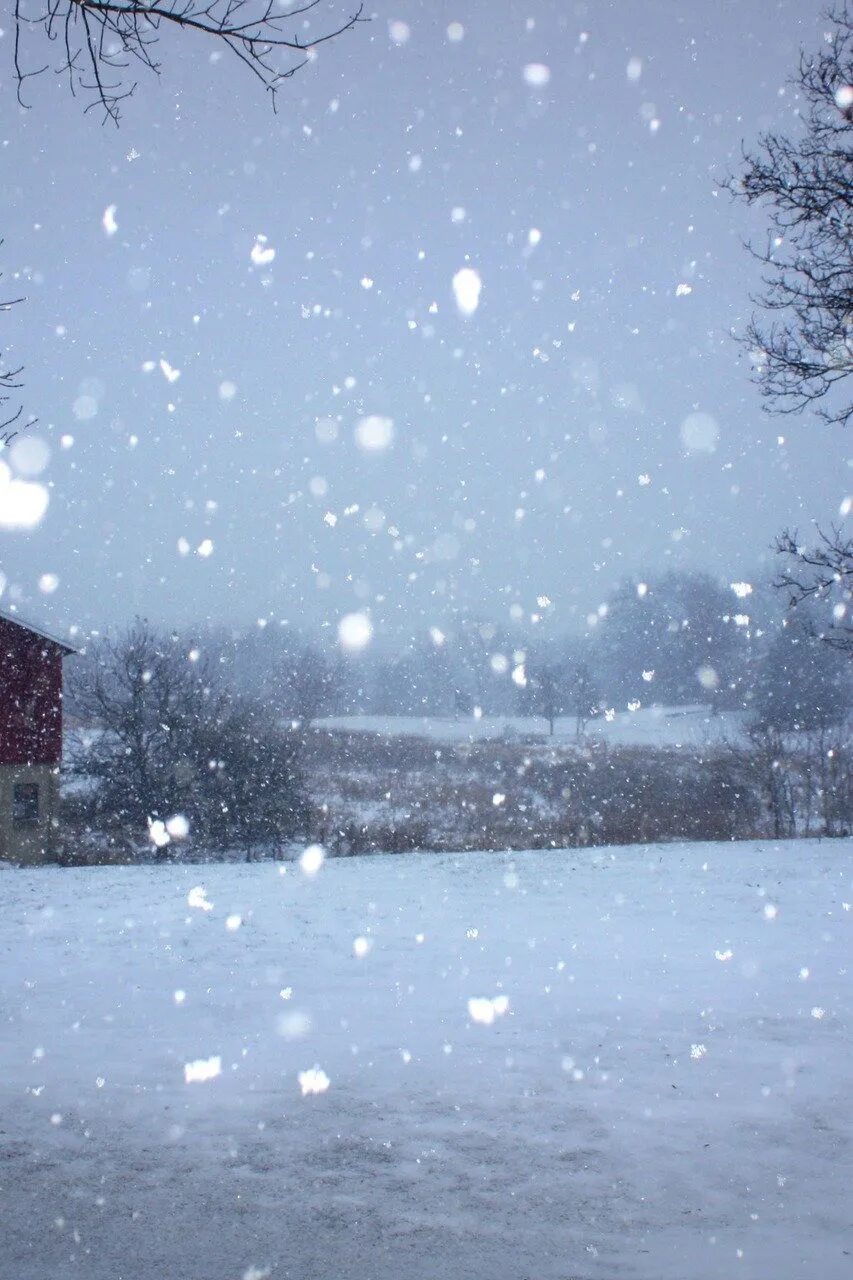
545, 687
802, 351
425, 680
483, 661
312, 685
801, 684
584, 694
297, 680
277, 665
93, 43
672, 639
560, 682
253, 798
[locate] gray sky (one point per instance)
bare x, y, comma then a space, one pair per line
538, 445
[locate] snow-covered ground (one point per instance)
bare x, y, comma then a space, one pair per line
652, 726
652, 1081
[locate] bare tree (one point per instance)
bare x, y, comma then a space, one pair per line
678, 632
143, 697
801, 684
8, 383
253, 799
164, 735
585, 693
804, 349
544, 690
821, 574
97, 44
310, 685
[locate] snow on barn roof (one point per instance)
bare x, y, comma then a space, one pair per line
6, 616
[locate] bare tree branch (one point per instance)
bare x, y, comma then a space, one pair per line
9, 383
803, 350
95, 42
822, 574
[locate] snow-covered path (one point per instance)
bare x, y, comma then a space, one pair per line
665, 1096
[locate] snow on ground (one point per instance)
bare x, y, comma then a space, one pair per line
652, 726
599, 1064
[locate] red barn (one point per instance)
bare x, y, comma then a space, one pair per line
30, 738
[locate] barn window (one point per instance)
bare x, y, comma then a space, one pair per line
25, 803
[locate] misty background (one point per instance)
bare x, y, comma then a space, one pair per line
592, 419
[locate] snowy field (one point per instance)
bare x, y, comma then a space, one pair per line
652, 1081
647, 726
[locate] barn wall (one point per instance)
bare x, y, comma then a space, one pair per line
30, 697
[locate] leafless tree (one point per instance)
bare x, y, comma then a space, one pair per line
142, 697
8, 383
803, 350
544, 687
163, 734
823, 575
310, 684
253, 798
586, 695
98, 44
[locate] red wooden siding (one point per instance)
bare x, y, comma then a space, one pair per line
30, 697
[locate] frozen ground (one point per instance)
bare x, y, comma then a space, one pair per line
652, 726
666, 1096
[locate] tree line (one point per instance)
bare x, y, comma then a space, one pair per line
208, 729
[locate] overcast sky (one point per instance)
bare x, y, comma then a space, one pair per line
592, 418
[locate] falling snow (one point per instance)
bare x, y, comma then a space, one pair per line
467, 287
564, 1012
391, 470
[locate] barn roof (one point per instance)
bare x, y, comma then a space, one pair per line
37, 631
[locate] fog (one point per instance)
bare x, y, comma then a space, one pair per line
217, 296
